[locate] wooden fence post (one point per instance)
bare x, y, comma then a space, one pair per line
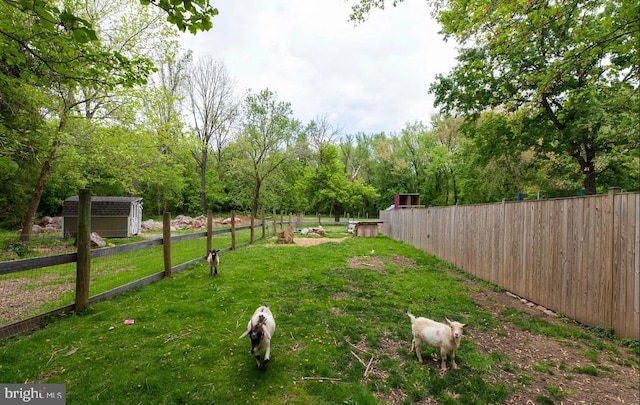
233, 230
166, 242
264, 225
209, 230
83, 265
252, 221
274, 222
612, 273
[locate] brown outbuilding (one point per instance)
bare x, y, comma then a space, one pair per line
111, 217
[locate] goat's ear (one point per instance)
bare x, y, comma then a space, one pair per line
464, 325
246, 332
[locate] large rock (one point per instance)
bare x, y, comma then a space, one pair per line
151, 225
181, 222
97, 241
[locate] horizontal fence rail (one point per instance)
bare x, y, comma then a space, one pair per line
577, 256
45, 274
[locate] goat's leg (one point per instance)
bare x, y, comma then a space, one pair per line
443, 361
258, 361
216, 271
417, 347
267, 356
453, 360
210, 271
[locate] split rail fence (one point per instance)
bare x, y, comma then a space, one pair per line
83, 276
579, 257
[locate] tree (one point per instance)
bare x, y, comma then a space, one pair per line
71, 78
559, 69
567, 72
161, 110
263, 142
328, 188
356, 156
213, 111
446, 134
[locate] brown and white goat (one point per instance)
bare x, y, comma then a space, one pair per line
444, 336
260, 330
213, 258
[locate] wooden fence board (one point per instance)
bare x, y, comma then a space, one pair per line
555, 231
576, 256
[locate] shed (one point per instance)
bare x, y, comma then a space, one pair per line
111, 217
407, 200
367, 228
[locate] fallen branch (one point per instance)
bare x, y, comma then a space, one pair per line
366, 371
356, 347
171, 338
367, 366
53, 354
321, 378
359, 359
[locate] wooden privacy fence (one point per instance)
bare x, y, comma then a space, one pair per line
578, 256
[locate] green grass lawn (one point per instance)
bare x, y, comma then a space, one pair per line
54, 285
332, 318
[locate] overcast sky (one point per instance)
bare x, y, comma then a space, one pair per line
368, 78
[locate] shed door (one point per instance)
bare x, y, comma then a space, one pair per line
135, 218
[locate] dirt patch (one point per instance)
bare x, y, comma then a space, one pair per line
308, 241
19, 299
374, 263
404, 262
315, 241
536, 362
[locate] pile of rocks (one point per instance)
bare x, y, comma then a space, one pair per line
54, 224
48, 224
186, 222
319, 231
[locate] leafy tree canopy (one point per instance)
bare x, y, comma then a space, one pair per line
565, 72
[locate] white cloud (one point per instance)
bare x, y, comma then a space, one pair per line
367, 78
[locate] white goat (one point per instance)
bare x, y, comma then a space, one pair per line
213, 258
260, 330
446, 337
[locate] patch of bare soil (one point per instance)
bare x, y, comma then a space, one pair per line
367, 262
19, 299
537, 362
309, 241
315, 241
404, 262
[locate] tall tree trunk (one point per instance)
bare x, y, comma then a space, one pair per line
254, 209
337, 211
586, 161
256, 197
585, 156
455, 188
203, 180
27, 225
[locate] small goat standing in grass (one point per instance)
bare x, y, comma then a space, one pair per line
213, 258
446, 337
260, 330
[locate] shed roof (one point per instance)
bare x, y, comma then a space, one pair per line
101, 206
